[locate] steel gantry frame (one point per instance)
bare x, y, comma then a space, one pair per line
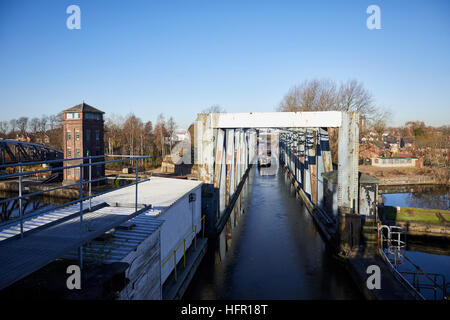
225, 147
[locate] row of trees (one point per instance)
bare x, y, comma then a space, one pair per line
132, 136
45, 129
123, 135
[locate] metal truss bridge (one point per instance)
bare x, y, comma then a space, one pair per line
13, 151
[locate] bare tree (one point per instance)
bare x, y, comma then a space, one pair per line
22, 124
114, 133
324, 95
214, 109
4, 127
132, 129
171, 127
34, 125
43, 124
160, 133
13, 125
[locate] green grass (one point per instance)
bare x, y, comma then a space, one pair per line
416, 215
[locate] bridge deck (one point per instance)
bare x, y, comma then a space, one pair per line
21, 257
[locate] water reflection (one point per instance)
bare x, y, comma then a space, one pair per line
429, 198
10, 209
270, 249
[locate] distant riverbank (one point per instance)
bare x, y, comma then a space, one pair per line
401, 176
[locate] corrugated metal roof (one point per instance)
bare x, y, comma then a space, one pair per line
119, 242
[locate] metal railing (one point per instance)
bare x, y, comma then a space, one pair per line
183, 242
394, 246
82, 181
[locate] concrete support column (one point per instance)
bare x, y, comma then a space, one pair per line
204, 158
320, 168
220, 170
230, 165
204, 147
313, 165
326, 151
307, 162
348, 151
301, 157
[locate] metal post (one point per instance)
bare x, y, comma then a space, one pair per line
175, 263
136, 203
203, 227
81, 216
195, 237
90, 178
317, 146
184, 252
20, 201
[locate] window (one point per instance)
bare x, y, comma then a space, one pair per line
69, 135
69, 172
88, 133
69, 153
77, 135
93, 116
73, 115
77, 172
78, 153
97, 135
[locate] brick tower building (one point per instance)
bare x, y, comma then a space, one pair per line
83, 137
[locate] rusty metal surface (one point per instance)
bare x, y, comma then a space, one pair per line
348, 151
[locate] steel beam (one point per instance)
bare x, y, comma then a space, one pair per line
329, 119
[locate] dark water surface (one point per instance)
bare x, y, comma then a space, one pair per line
274, 252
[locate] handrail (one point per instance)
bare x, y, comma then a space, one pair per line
397, 252
174, 253
22, 164
419, 269
80, 183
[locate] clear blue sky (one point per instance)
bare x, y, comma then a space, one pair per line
179, 57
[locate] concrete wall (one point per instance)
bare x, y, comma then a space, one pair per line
144, 272
179, 220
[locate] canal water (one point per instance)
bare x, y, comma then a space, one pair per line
428, 197
274, 251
